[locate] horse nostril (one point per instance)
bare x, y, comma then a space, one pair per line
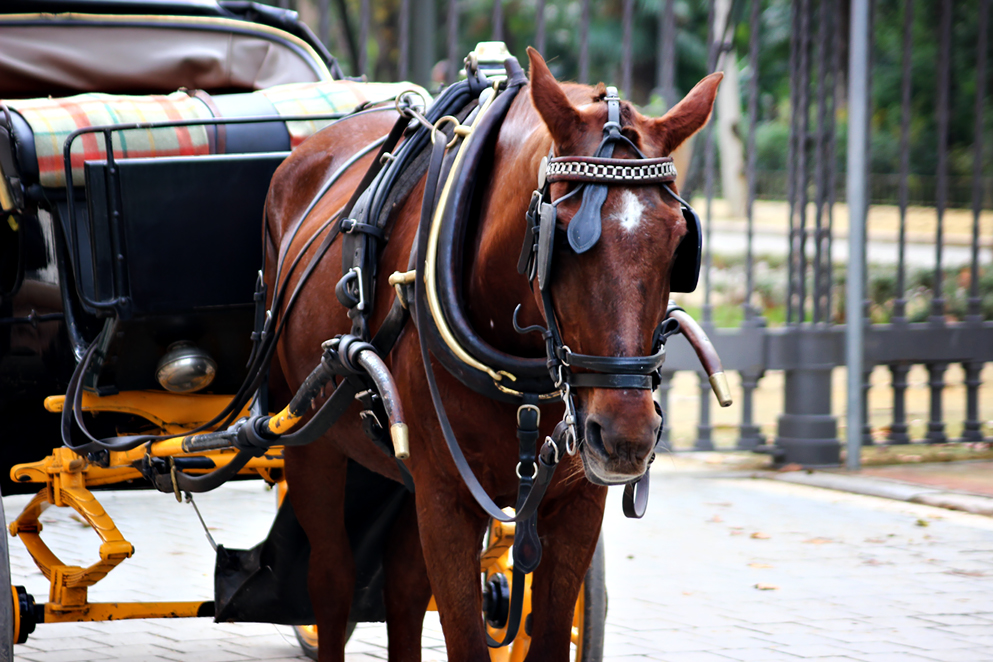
594, 436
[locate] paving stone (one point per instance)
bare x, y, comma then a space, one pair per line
693, 657
958, 619
891, 657
812, 650
756, 654
76, 655
133, 652
959, 655
878, 589
207, 656
879, 646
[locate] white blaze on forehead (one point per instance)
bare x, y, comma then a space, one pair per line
630, 211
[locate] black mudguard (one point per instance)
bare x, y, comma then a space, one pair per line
268, 583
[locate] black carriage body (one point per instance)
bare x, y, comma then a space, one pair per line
167, 247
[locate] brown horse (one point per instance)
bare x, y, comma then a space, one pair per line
608, 302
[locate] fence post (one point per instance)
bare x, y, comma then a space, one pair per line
807, 432
858, 104
422, 55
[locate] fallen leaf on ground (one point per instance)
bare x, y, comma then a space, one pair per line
818, 541
792, 466
716, 518
966, 573
923, 522
758, 535
875, 540
78, 518
760, 565
767, 587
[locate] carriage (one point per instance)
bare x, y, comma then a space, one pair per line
137, 145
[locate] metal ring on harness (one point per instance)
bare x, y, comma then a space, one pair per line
459, 129
406, 107
534, 469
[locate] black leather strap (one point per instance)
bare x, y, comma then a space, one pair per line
635, 501
634, 365
516, 611
609, 380
350, 225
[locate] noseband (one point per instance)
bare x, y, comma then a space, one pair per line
594, 175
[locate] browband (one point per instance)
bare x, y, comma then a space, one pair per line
599, 170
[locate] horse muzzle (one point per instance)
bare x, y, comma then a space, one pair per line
618, 449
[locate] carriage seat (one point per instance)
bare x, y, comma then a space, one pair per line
33, 131
168, 241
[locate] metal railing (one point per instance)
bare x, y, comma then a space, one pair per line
810, 343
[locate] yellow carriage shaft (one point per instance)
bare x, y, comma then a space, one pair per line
172, 413
66, 477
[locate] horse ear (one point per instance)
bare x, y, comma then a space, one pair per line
689, 115
560, 116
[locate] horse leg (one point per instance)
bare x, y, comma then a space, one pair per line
569, 530
451, 533
407, 591
316, 473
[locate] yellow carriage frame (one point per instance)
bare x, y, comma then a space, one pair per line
66, 477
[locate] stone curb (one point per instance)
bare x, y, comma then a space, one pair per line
887, 489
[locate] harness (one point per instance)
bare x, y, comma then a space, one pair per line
471, 112
594, 175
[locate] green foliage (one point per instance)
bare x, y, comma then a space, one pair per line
771, 141
605, 52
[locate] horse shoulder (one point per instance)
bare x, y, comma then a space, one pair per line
299, 179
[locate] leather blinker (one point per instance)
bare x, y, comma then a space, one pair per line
546, 240
686, 266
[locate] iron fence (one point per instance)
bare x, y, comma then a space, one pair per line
809, 343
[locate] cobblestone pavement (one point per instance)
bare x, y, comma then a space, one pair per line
720, 569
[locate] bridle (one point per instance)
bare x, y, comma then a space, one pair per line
594, 174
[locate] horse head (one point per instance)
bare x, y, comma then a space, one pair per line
609, 296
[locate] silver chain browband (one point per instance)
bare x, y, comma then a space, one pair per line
601, 170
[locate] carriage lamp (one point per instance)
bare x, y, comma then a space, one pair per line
185, 368
488, 57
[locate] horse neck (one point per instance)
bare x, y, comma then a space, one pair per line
492, 285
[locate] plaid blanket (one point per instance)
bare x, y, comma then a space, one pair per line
52, 120
339, 96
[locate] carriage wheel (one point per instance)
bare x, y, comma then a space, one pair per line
588, 619
7, 614
591, 611
307, 637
